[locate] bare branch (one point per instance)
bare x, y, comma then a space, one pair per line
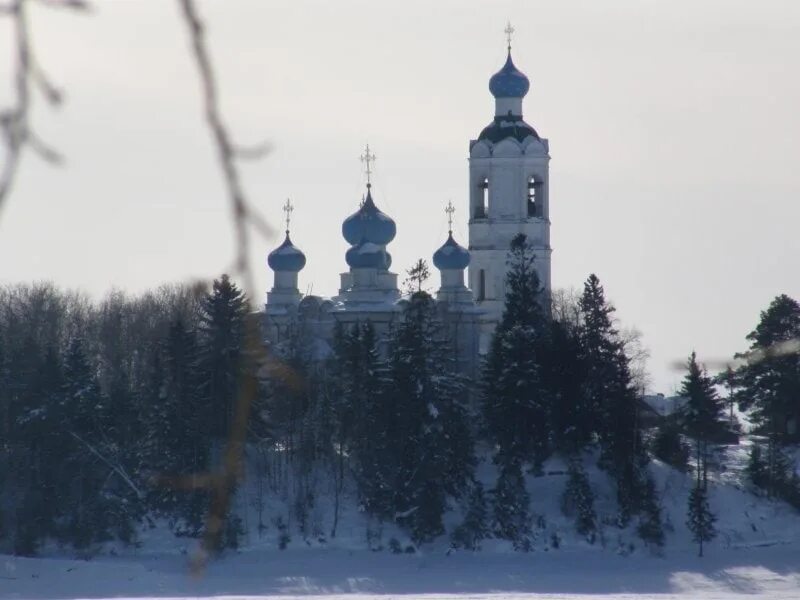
255, 152
78, 5
51, 93
226, 150
222, 483
44, 150
115, 468
15, 127
15, 120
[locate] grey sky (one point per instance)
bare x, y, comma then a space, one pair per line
673, 128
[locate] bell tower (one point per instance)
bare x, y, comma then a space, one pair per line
508, 191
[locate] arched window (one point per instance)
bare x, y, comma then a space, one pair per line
482, 208
481, 285
534, 207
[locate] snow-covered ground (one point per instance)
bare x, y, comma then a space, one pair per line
756, 552
768, 572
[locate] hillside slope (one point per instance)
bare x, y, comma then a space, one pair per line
756, 550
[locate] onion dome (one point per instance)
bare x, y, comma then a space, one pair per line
369, 224
368, 255
509, 82
286, 257
451, 255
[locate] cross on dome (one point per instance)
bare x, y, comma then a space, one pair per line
288, 208
509, 31
368, 158
450, 210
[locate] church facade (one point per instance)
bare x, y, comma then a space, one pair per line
508, 195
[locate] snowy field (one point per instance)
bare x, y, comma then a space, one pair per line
767, 572
756, 554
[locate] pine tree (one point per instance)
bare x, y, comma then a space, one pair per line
475, 526
769, 381
578, 499
515, 402
700, 519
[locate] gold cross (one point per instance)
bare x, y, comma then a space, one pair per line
450, 210
367, 158
509, 30
288, 208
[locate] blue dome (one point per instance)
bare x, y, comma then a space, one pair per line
286, 257
369, 224
451, 255
368, 255
509, 82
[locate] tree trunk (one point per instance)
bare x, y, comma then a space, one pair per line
337, 490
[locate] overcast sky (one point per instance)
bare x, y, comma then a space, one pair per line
674, 131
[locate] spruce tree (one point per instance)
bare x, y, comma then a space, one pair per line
176, 443
98, 502
190, 448
650, 527
700, 519
669, 447
417, 276
221, 360
475, 526
511, 518
701, 414
35, 460
612, 400
515, 401
564, 378
757, 467
356, 387
425, 422
578, 499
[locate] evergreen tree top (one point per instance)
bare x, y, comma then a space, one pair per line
779, 322
594, 307
703, 408
524, 298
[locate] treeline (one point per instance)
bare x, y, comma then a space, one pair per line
111, 415
95, 400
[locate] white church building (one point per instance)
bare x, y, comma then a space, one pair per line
508, 195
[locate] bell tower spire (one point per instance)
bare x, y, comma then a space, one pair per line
509, 190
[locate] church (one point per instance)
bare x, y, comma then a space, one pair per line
508, 195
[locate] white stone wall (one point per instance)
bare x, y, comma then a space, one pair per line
509, 167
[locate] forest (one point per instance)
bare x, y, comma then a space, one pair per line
115, 414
